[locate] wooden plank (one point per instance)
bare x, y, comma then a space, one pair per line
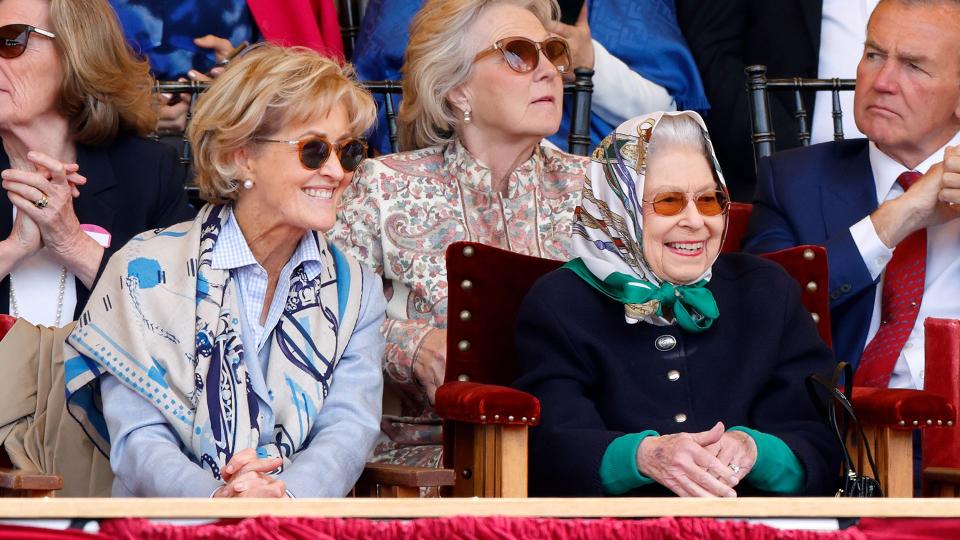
895, 460
465, 464
16, 479
511, 460
405, 476
756, 507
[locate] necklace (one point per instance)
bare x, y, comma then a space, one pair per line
14, 310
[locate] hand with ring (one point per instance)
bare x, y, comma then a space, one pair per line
737, 449
682, 463
45, 196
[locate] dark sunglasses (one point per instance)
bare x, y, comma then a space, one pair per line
14, 38
315, 150
523, 55
708, 203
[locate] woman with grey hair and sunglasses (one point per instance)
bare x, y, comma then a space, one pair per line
482, 87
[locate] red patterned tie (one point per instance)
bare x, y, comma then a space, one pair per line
899, 304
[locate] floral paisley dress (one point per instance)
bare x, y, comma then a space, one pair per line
398, 217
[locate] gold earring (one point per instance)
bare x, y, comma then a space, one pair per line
466, 116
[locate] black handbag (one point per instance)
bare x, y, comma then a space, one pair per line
830, 400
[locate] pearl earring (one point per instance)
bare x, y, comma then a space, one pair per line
248, 184
466, 116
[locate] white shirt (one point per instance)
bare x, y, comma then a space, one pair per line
941, 289
843, 29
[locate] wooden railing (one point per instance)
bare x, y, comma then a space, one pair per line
752, 507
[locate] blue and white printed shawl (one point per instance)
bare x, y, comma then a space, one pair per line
138, 327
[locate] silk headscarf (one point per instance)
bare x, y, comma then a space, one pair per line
608, 231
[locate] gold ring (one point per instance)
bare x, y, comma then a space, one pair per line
43, 202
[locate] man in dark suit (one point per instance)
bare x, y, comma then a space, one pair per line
727, 36
886, 208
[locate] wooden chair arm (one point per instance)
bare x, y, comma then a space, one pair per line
19, 483
942, 475
387, 480
386, 474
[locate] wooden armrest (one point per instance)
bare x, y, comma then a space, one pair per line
946, 475
19, 480
386, 474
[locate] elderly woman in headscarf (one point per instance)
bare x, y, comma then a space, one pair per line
661, 365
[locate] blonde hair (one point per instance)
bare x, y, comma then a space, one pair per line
438, 60
263, 91
105, 86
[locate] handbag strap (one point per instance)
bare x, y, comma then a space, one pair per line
836, 396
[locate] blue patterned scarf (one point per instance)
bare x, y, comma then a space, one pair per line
137, 327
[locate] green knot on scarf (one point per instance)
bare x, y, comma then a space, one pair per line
693, 305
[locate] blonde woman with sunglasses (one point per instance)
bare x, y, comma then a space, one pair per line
662, 366
482, 86
238, 354
78, 181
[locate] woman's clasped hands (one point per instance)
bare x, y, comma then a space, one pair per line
705, 464
44, 201
247, 475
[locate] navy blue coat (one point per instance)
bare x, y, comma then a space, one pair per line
812, 196
133, 185
599, 378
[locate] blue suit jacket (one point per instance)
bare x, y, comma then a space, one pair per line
812, 196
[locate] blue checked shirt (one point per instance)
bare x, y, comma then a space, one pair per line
148, 458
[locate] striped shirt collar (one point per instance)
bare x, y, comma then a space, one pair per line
232, 252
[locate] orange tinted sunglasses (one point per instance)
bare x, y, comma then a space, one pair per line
708, 203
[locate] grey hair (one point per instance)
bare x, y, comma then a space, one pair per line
439, 59
673, 131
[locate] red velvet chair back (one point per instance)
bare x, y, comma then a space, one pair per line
808, 266
941, 447
736, 226
486, 285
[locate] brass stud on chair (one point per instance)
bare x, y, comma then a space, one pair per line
467, 473
463, 377
929, 422
468, 251
916, 423
463, 345
949, 422
483, 417
533, 419
939, 422
523, 418
903, 422
466, 284
510, 418
808, 254
812, 286
465, 315
816, 318
496, 417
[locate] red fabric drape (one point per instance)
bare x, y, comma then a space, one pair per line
473, 528
310, 23
910, 529
37, 533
